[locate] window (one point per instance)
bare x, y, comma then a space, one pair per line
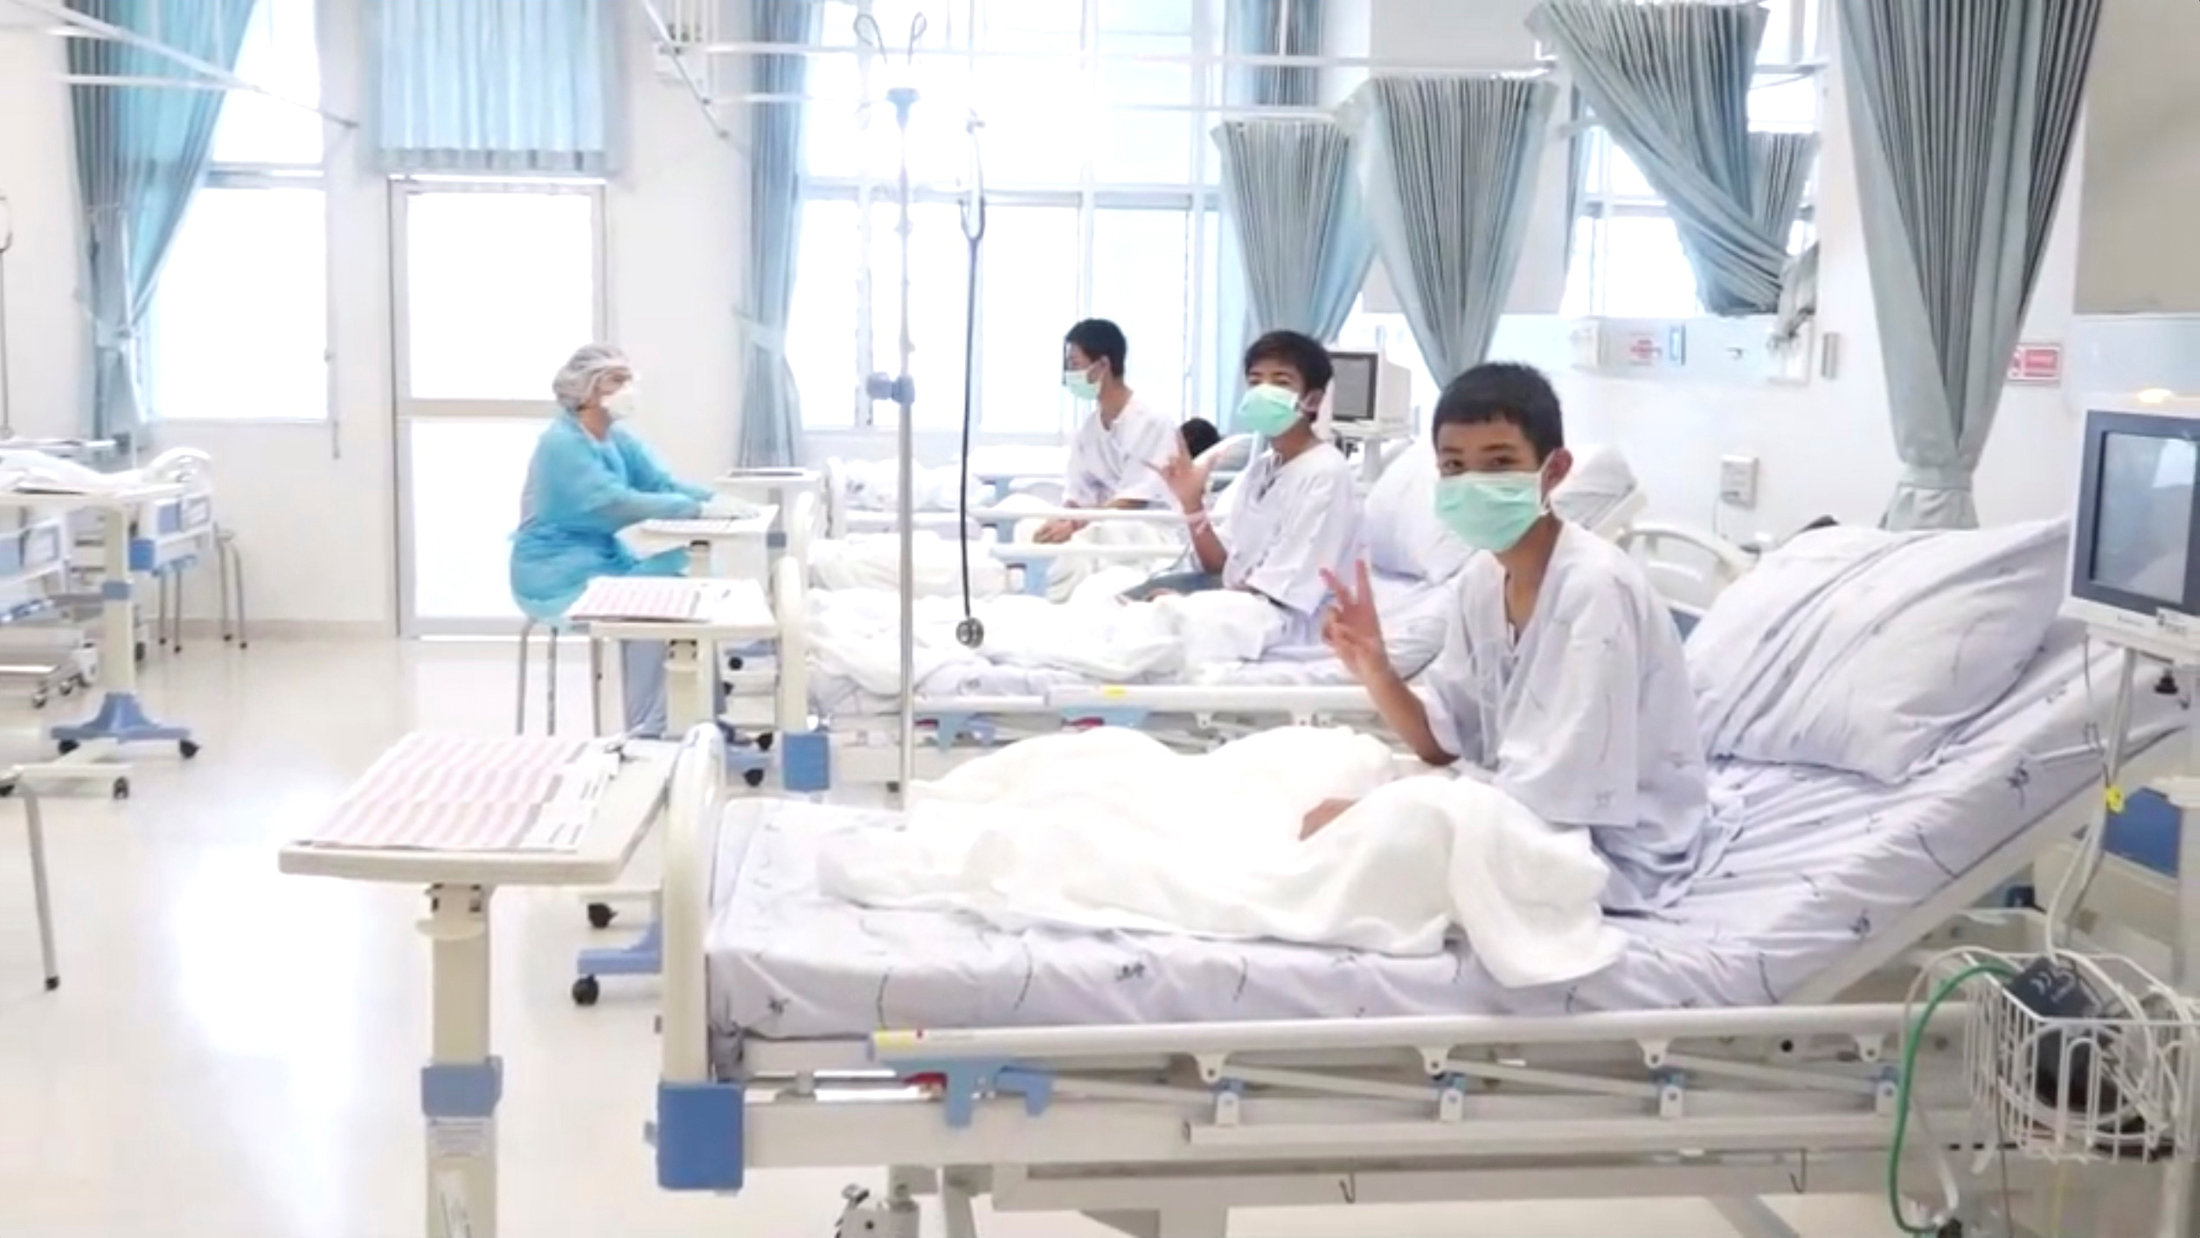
238, 328
1099, 175
1627, 260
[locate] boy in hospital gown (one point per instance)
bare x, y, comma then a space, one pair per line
1117, 456
1562, 678
1291, 515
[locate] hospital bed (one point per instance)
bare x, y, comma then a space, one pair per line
1155, 1082
859, 494
973, 701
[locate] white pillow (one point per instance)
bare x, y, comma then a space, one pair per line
1599, 483
1400, 528
1863, 650
1404, 537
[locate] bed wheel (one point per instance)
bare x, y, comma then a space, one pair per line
189, 748
763, 741
893, 786
586, 991
753, 777
122, 788
600, 916
1953, 1229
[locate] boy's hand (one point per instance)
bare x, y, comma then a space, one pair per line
1186, 482
1054, 532
1323, 813
1352, 629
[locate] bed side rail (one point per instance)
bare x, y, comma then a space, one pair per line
791, 607
691, 819
801, 523
1694, 580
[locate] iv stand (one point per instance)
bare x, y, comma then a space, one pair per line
902, 390
7, 396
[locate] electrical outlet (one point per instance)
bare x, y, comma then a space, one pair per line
1738, 481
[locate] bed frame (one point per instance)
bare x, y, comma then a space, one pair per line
857, 749
1159, 1130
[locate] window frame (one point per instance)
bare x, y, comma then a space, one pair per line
1194, 391
256, 175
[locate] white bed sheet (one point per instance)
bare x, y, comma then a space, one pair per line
1821, 860
1413, 612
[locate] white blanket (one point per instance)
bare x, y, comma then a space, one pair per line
875, 486
1067, 573
853, 633
1109, 829
873, 561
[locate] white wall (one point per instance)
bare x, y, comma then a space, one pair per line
313, 504
1825, 448
37, 176
2142, 148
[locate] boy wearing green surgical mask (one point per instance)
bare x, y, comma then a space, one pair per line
1291, 516
1562, 679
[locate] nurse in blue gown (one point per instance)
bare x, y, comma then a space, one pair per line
591, 477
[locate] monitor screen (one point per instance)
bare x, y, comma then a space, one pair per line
1352, 389
2143, 515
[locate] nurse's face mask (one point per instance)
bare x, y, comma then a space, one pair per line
621, 404
1268, 410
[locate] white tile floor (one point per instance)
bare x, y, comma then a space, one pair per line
232, 1053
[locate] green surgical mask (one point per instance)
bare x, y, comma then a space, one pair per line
1081, 384
1489, 511
1268, 410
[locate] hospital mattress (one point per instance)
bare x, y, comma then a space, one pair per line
1816, 861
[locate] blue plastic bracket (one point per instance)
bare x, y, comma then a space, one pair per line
1036, 572
806, 761
644, 956
121, 718
1132, 716
462, 1091
949, 725
966, 1080
115, 590
699, 1136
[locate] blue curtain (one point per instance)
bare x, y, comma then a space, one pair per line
1289, 194
1964, 113
1451, 174
512, 86
140, 155
1274, 28
1670, 82
771, 409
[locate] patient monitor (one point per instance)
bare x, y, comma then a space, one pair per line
2135, 553
1370, 400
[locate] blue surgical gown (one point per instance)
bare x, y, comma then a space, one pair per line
580, 492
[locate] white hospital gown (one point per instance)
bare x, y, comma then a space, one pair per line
1283, 523
1120, 461
1587, 718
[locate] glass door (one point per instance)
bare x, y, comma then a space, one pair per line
495, 285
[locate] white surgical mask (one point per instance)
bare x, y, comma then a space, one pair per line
620, 404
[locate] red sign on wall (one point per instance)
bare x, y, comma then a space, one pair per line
2039, 364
